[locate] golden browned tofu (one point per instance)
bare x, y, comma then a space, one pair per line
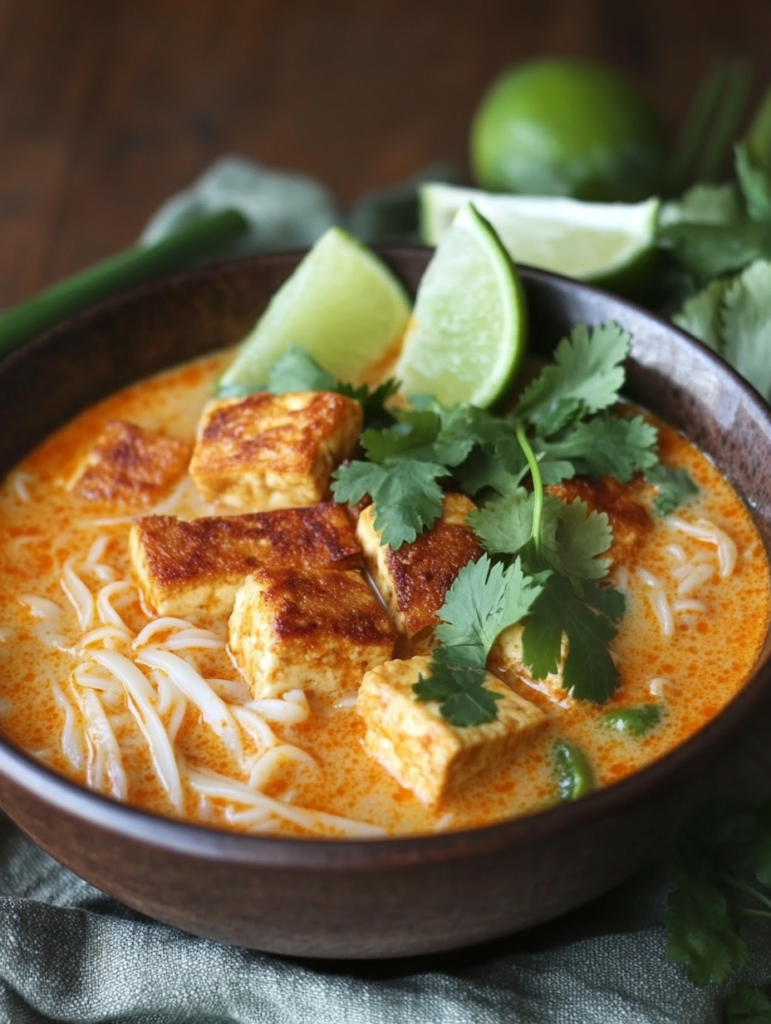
185, 568
129, 465
308, 629
273, 451
414, 580
421, 749
506, 660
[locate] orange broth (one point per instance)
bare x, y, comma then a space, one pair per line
692, 674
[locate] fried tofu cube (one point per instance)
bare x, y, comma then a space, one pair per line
273, 451
129, 465
506, 660
318, 630
421, 749
414, 580
188, 568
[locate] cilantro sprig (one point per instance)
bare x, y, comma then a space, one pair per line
544, 563
297, 370
723, 862
485, 599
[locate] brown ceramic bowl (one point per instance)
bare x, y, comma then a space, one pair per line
393, 897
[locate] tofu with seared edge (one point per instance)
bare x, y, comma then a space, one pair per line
188, 568
421, 749
130, 465
317, 630
273, 451
507, 661
414, 580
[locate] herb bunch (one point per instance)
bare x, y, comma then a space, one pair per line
723, 864
543, 561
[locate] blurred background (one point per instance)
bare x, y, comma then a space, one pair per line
109, 106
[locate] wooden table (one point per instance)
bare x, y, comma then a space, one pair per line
109, 106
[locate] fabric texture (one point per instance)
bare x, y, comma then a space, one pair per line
70, 954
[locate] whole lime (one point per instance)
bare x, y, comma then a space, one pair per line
567, 127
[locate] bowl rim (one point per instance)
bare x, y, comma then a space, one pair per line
384, 852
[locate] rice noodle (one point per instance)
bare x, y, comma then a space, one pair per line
255, 726
696, 578
291, 709
108, 635
105, 758
139, 695
220, 787
269, 761
90, 675
658, 685
105, 597
20, 481
187, 638
235, 690
41, 607
179, 710
690, 605
658, 601
676, 551
72, 741
166, 623
96, 551
444, 822
196, 689
79, 595
706, 531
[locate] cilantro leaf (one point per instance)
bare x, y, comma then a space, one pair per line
748, 1006
297, 370
505, 525
746, 321
571, 537
554, 469
701, 931
405, 493
581, 537
484, 470
585, 378
703, 204
414, 436
716, 856
466, 701
607, 600
606, 445
589, 672
484, 600
711, 250
424, 435
374, 401
700, 315
675, 487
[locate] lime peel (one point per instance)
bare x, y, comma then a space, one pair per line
467, 333
342, 304
594, 242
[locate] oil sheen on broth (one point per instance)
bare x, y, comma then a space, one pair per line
152, 709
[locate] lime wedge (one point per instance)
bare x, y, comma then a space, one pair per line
341, 304
609, 244
467, 333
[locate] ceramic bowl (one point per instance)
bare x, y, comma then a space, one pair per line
392, 897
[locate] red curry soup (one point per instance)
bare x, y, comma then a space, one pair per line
180, 639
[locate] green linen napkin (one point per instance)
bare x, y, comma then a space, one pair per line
70, 954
